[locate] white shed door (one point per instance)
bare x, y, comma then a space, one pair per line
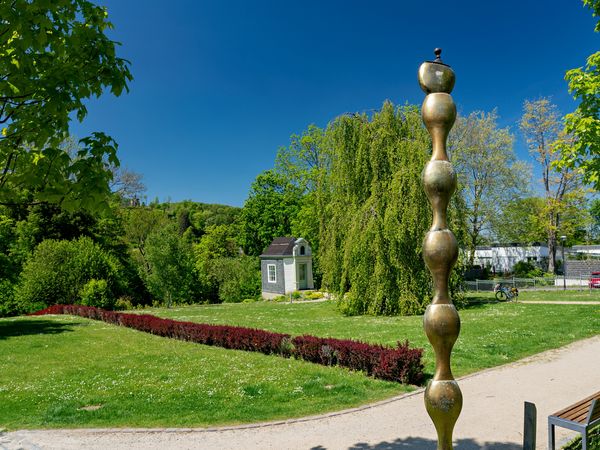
302, 276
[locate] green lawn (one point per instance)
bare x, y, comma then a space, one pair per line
492, 333
53, 366
555, 295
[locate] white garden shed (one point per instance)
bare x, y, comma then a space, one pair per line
286, 266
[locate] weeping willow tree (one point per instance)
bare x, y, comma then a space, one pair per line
365, 210
377, 213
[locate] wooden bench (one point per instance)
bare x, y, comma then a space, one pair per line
580, 417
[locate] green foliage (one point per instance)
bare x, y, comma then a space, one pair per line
236, 278
593, 442
564, 193
171, 277
139, 223
520, 221
525, 269
272, 205
183, 220
8, 305
218, 242
371, 244
306, 163
584, 122
595, 220
307, 224
55, 56
8, 267
96, 293
123, 303
488, 171
200, 216
57, 272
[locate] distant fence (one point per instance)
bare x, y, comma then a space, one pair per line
558, 282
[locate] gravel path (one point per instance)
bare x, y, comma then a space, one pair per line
492, 416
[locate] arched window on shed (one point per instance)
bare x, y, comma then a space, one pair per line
302, 251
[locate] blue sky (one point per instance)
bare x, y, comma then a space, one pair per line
221, 85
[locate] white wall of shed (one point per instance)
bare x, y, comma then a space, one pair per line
290, 276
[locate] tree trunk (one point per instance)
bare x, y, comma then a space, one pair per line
551, 251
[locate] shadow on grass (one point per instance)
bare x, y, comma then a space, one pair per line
425, 444
25, 327
479, 302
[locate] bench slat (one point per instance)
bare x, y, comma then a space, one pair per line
575, 406
581, 410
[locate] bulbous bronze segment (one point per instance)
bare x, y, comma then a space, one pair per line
439, 113
443, 401
440, 252
442, 326
439, 180
436, 77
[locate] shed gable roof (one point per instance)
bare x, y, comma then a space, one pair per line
281, 246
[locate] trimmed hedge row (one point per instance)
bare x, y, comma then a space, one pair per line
237, 338
401, 364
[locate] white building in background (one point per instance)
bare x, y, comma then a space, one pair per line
286, 266
503, 257
588, 250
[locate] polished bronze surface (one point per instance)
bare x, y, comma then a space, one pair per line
443, 399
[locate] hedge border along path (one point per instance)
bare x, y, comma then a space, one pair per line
401, 364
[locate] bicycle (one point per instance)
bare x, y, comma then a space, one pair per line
504, 294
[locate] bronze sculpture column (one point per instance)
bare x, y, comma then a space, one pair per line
443, 399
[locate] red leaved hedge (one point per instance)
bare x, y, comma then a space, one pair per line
401, 364
237, 338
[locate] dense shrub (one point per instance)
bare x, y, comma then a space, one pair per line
96, 293
171, 278
525, 269
8, 306
237, 278
401, 364
58, 270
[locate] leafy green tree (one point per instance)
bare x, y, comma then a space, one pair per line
377, 214
306, 163
487, 169
219, 242
520, 221
584, 122
183, 220
237, 278
562, 186
307, 159
9, 268
139, 223
58, 271
269, 211
594, 234
53, 56
172, 277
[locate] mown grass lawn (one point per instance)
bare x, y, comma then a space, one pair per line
491, 334
550, 295
53, 366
